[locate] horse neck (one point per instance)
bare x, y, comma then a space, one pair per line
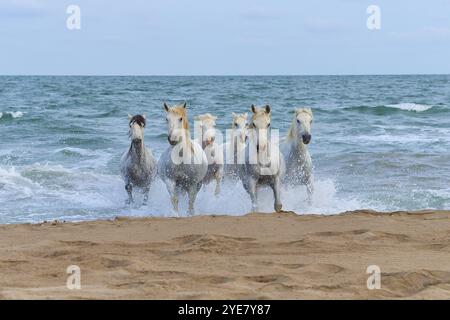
235, 141
252, 138
187, 139
298, 147
202, 143
138, 152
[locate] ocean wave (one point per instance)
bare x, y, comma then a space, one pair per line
46, 192
12, 114
410, 107
76, 152
56, 191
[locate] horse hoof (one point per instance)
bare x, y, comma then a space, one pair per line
278, 208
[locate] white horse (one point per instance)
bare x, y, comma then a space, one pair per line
206, 129
235, 147
138, 165
295, 150
183, 165
264, 164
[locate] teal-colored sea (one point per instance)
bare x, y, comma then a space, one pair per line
378, 142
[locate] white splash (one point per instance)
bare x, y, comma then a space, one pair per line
13, 114
45, 192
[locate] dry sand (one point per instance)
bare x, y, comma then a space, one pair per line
258, 256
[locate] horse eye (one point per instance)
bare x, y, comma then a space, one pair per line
268, 125
181, 119
298, 121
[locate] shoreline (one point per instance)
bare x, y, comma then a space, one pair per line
255, 256
224, 215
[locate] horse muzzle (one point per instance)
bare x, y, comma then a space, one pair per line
172, 142
210, 141
306, 138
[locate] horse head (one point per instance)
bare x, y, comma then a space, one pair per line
177, 123
260, 125
302, 125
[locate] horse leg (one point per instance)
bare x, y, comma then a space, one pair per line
192, 193
251, 188
218, 175
146, 193
171, 188
129, 189
276, 186
309, 188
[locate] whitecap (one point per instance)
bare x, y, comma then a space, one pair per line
410, 107
13, 114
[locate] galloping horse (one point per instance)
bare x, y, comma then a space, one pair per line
183, 165
137, 166
206, 128
264, 163
235, 147
295, 151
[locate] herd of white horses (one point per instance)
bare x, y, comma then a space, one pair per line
250, 154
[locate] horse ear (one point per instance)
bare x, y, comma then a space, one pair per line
185, 104
130, 116
267, 109
234, 115
166, 107
253, 108
246, 115
144, 116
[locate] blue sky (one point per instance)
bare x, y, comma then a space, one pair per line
211, 37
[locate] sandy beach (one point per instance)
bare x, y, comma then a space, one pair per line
257, 256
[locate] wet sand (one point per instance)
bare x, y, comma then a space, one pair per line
257, 256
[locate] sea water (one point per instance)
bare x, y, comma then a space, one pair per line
378, 142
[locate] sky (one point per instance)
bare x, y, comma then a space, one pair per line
228, 37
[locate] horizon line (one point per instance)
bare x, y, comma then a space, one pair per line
223, 75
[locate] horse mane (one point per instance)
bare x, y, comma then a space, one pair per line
206, 116
181, 111
291, 135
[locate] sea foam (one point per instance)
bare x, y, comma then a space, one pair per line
12, 114
410, 107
